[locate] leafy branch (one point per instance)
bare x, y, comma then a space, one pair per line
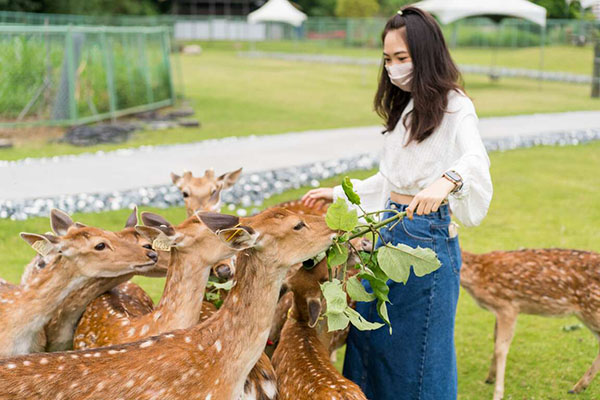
388, 262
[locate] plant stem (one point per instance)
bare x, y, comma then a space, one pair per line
378, 225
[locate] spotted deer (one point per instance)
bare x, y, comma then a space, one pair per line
203, 193
116, 318
338, 338
71, 262
550, 282
209, 361
106, 322
302, 358
58, 332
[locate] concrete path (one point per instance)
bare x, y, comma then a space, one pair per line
127, 169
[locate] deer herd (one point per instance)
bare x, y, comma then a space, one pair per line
77, 328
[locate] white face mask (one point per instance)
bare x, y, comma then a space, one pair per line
401, 75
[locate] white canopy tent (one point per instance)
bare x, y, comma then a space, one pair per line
277, 11
449, 11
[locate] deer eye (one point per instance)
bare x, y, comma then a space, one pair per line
299, 226
100, 246
186, 195
147, 246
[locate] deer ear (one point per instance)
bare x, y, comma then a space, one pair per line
43, 244
238, 238
60, 222
175, 178
209, 173
230, 178
314, 311
156, 221
217, 222
133, 218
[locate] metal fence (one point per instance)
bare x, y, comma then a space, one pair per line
472, 32
66, 75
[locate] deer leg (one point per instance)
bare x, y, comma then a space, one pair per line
589, 375
491, 378
505, 323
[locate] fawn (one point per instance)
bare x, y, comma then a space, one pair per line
209, 361
73, 260
203, 193
61, 327
105, 322
302, 358
552, 282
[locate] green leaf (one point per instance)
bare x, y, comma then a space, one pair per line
349, 191
336, 321
339, 217
359, 322
388, 262
383, 313
337, 255
396, 261
380, 287
334, 296
225, 286
357, 291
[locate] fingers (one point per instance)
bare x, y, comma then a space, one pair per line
421, 206
429, 204
411, 207
436, 206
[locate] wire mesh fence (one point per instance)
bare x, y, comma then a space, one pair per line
471, 32
66, 75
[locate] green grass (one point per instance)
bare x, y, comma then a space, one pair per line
236, 96
544, 197
556, 58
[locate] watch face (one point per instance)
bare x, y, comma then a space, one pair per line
454, 176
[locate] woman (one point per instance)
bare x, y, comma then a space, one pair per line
433, 161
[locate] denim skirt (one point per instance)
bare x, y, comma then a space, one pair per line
417, 361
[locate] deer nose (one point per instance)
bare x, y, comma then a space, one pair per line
223, 271
152, 255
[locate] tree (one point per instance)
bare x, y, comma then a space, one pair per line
356, 8
560, 8
21, 5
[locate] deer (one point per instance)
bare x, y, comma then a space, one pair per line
550, 282
302, 358
58, 332
71, 262
106, 321
203, 193
338, 338
115, 317
209, 361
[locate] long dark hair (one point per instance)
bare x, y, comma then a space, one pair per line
434, 75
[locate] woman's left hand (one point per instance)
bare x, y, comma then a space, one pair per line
430, 198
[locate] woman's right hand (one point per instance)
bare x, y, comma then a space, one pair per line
315, 195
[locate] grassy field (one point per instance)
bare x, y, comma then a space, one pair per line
236, 96
544, 197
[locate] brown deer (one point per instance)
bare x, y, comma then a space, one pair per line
115, 318
61, 327
551, 282
203, 193
83, 254
302, 358
338, 338
209, 361
106, 321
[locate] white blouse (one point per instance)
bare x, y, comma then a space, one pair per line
454, 145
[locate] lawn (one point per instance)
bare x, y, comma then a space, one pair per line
235, 96
544, 197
